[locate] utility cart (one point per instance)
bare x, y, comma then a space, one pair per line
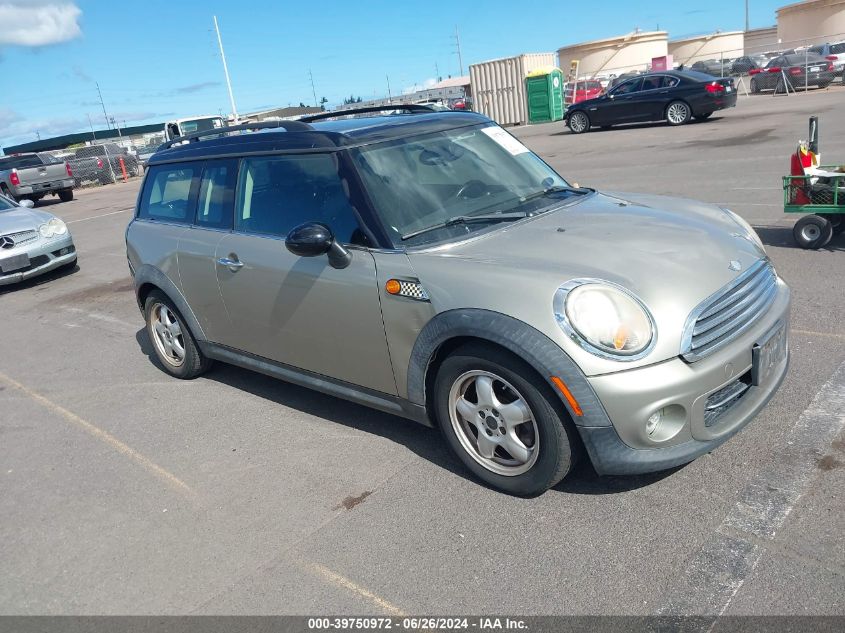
816, 190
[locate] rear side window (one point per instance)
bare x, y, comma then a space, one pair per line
669, 82
651, 83
280, 192
837, 49
167, 192
217, 194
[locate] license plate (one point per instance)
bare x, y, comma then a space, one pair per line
815, 69
11, 264
767, 355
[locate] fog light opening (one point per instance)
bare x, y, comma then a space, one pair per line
665, 423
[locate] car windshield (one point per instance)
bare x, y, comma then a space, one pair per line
431, 180
6, 204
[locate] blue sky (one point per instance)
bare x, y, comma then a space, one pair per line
156, 59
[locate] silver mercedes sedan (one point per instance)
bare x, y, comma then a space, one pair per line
32, 242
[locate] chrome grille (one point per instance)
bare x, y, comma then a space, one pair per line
729, 312
21, 237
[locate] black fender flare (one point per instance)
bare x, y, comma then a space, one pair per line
148, 274
531, 345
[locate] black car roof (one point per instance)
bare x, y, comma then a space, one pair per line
322, 135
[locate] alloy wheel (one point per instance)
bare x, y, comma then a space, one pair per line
677, 113
493, 423
167, 334
578, 122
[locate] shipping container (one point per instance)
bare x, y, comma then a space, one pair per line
498, 86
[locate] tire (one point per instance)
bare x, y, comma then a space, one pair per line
755, 87
66, 195
812, 231
823, 86
703, 116
579, 122
174, 345
837, 220
678, 113
544, 440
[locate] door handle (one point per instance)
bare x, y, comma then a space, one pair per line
664, 92
231, 264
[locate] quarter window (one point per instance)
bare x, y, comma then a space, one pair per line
167, 193
281, 192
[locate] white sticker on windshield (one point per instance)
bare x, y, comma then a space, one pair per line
505, 140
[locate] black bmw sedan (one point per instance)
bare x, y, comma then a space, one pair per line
672, 96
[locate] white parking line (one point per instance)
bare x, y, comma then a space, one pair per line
103, 215
716, 574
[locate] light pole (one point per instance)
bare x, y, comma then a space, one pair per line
226, 71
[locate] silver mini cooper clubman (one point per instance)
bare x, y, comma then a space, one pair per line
429, 265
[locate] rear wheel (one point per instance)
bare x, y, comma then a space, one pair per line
497, 421
824, 85
66, 195
837, 220
678, 113
579, 122
812, 231
172, 341
755, 87
703, 116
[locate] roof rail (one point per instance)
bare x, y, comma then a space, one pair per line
410, 107
290, 126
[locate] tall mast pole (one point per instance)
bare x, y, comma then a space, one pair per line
226, 70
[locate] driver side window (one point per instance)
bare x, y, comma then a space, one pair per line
632, 85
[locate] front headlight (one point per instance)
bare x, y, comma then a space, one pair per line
52, 228
749, 230
605, 319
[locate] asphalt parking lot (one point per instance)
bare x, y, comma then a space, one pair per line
124, 491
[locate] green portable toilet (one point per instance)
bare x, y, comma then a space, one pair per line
544, 91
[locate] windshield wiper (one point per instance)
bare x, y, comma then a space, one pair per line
550, 190
468, 219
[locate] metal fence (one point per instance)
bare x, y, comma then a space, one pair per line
752, 66
100, 164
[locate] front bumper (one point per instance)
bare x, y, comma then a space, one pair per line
43, 188
630, 397
44, 256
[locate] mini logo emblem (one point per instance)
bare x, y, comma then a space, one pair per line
735, 265
6, 242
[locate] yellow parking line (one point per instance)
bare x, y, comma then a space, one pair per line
342, 581
101, 435
823, 334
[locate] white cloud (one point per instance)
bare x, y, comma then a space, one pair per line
428, 83
34, 23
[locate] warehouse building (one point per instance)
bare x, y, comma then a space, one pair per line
718, 45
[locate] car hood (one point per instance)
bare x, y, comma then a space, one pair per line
21, 219
671, 253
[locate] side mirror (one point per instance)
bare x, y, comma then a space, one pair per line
313, 239
26, 203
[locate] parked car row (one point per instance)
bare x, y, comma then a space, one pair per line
103, 163
797, 69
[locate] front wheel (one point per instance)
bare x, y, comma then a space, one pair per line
678, 113
579, 122
812, 231
501, 422
172, 341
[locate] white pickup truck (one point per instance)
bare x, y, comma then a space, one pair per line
33, 176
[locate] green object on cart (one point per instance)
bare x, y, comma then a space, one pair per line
820, 193
545, 96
